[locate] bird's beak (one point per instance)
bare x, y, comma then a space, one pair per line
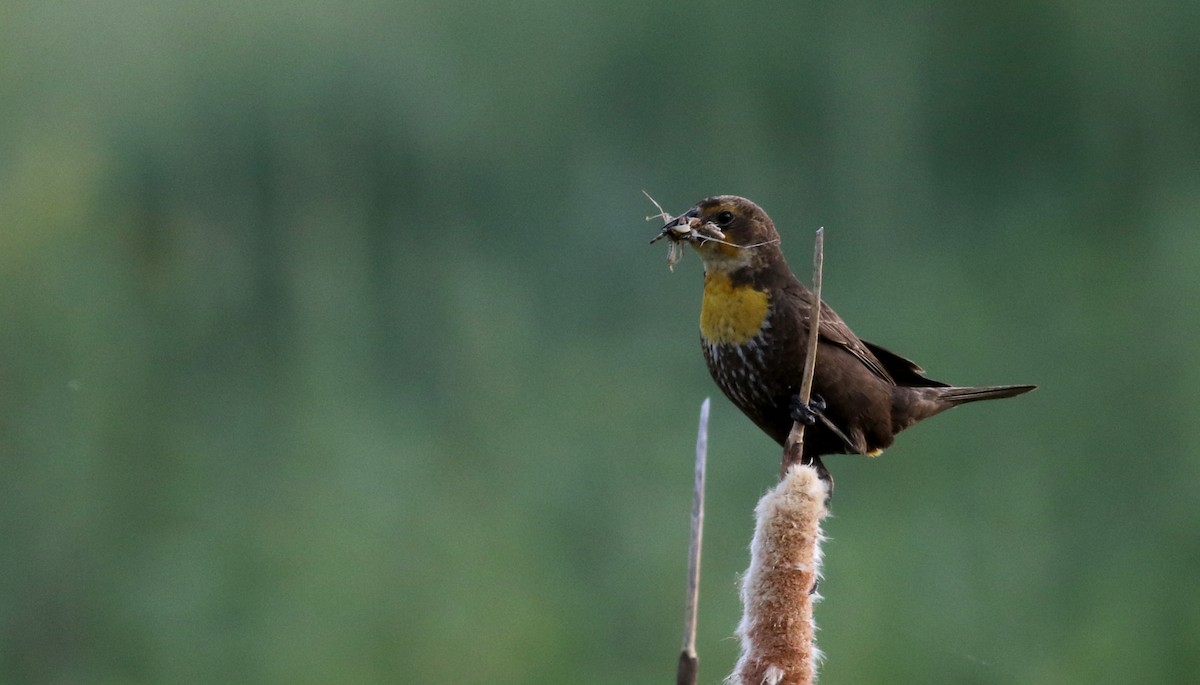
682, 227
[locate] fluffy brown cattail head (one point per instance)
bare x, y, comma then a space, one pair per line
778, 591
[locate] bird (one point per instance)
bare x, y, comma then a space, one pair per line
754, 323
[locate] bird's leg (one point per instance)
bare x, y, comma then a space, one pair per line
814, 411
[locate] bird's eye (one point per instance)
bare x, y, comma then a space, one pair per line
724, 218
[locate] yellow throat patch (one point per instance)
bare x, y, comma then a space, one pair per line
731, 313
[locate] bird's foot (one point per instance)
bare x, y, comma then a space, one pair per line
810, 413
813, 412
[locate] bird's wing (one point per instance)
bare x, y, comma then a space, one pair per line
904, 371
835, 331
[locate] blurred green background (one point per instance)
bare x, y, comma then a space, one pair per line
332, 349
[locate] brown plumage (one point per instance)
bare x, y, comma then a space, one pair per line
754, 328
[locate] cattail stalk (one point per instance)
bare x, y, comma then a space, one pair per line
779, 589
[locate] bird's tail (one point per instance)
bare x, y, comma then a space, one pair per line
919, 404
955, 396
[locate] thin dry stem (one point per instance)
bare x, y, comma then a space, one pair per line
689, 662
794, 446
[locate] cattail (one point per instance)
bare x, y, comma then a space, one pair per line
779, 589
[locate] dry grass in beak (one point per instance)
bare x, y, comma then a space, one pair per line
675, 234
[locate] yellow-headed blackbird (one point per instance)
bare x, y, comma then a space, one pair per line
754, 331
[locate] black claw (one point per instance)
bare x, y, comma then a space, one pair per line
807, 414
814, 411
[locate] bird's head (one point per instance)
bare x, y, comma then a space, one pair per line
728, 232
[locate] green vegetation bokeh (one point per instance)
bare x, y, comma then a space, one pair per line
332, 349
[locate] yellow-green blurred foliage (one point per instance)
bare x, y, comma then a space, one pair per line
332, 350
